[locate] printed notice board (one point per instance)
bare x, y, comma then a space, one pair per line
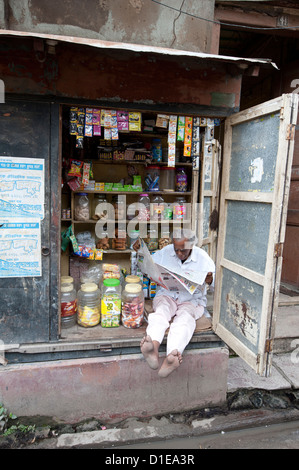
21, 187
20, 248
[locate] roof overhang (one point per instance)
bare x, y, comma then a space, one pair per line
138, 48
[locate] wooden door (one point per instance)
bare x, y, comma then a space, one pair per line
257, 161
29, 129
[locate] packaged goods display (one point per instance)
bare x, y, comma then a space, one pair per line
89, 305
132, 306
113, 158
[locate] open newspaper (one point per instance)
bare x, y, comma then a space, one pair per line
170, 280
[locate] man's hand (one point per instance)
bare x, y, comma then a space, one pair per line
136, 245
209, 278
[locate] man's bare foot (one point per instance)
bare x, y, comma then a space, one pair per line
170, 363
150, 351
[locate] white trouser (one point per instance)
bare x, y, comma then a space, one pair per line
182, 327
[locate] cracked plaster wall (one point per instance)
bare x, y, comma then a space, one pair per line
132, 21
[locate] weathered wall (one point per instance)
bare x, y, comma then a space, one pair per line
133, 21
77, 71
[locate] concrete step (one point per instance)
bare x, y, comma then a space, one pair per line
287, 327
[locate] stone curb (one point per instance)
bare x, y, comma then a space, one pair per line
159, 429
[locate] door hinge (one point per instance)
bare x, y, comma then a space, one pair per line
269, 345
278, 250
290, 132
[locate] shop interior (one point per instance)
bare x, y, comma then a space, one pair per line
111, 160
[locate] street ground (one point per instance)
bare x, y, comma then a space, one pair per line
273, 436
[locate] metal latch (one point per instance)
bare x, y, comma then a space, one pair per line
290, 132
269, 345
278, 250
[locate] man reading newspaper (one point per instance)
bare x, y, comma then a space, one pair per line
177, 307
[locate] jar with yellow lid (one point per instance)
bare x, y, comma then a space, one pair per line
89, 305
132, 279
132, 306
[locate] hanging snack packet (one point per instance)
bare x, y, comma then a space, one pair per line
86, 172
76, 166
134, 121
73, 121
181, 129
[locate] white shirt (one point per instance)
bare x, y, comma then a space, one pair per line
198, 260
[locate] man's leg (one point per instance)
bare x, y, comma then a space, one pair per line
158, 322
179, 336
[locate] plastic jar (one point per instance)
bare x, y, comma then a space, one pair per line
179, 209
158, 206
133, 235
144, 209
82, 211
119, 207
157, 150
131, 211
132, 279
152, 178
168, 212
98, 212
66, 280
181, 180
68, 305
152, 239
111, 303
89, 305
167, 178
132, 306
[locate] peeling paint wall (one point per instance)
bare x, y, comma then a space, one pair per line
118, 76
132, 21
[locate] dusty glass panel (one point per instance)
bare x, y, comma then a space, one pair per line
206, 216
247, 234
241, 308
254, 152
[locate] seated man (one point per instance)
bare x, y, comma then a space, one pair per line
179, 306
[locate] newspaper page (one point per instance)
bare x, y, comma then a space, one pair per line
170, 280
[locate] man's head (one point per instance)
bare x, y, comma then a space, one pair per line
183, 242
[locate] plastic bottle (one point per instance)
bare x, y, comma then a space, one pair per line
111, 303
89, 305
158, 207
181, 180
157, 150
179, 209
68, 305
132, 306
144, 210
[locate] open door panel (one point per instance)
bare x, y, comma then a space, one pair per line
209, 195
257, 158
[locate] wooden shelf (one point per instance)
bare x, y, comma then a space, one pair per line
170, 193
91, 221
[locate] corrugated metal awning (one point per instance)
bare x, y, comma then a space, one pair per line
138, 48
